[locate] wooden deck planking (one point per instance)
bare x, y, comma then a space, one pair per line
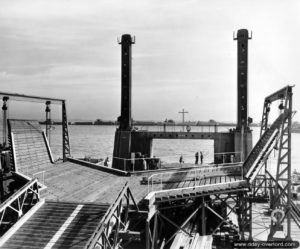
74, 182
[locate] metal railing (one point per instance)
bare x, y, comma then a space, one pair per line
211, 128
159, 181
113, 222
40, 176
154, 163
18, 204
136, 164
225, 157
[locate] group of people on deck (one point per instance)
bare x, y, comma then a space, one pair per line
196, 158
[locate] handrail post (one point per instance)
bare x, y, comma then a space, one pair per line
133, 167
242, 172
151, 184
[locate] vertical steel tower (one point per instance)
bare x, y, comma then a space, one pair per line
243, 135
122, 145
125, 118
242, 79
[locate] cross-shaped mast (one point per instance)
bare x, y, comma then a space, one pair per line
183, 112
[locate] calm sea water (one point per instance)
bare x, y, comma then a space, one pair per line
97, 142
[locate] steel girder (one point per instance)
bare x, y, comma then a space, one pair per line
65, 133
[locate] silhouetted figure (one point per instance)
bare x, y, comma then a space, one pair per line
197, 157
106, 161
181, 159
201, 157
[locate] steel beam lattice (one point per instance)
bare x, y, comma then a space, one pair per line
281, 204
65, 133
18, 204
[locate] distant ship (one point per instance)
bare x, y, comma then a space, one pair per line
296, 129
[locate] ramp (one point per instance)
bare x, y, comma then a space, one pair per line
53, 224
58, 225
263, 147
29, 147
196, 191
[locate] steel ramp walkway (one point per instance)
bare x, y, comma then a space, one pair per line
263, 147
58, 225
195, 191
31, 154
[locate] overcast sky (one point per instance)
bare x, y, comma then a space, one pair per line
184, 56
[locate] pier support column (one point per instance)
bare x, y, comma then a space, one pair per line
122, 146
4, 108
243, 132
48, 120
65, 133
243, 143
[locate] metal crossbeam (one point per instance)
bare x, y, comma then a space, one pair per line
31, 98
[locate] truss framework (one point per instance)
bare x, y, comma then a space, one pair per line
18, 204
236, 203
278, 187
65, 133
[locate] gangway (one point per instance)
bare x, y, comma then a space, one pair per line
53, 224
265, 144
58, 225
31, 155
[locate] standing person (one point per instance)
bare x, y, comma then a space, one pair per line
181, 159
106, 161
197, 157
201, 157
